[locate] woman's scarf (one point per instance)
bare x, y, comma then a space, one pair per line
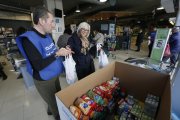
85, 45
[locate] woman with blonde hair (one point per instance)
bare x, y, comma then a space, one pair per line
79, 43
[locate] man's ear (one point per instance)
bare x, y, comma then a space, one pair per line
41, 21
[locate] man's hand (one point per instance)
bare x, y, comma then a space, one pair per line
63, 52
68, 48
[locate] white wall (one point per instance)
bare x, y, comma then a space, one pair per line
51, 5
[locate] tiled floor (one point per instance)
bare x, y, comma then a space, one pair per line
19, 103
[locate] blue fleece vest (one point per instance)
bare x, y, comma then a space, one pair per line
46, 47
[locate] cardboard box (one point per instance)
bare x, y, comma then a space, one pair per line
136, 80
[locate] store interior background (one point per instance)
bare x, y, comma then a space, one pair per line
17, 101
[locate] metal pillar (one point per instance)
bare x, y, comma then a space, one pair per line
59, 21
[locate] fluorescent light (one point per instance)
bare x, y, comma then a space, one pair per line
172, 23
64, 15
78, 10
102, 0
160, 8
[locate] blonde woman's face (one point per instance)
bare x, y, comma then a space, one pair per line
84, 32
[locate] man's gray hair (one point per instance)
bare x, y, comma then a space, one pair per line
40, 12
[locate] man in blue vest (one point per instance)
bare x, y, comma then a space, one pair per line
42, 57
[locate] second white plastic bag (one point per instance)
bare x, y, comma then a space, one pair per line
103, 59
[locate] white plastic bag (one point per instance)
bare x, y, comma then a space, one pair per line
98, 48
103, 59
70, 69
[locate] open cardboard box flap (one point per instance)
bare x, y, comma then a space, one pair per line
138, 82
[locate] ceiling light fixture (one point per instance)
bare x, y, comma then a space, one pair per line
102, 0
171, 22
77, 9
160, 8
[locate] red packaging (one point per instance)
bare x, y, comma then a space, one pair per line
89, 101
82, 105
94, 105
113, 83
103, 92
109, 90
99, 91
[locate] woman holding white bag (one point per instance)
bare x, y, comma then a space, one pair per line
79, 43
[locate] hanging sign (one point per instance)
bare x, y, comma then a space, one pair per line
161, 39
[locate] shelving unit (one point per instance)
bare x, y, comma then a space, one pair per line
8, 45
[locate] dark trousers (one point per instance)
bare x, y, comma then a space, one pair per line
174, 57
47, 90
2, 73
150, 49
138, 47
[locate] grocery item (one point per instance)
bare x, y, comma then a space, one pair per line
123, 92
137, 109
89, 101
103, 91
151, 105
130, 100
97, 98
110, 100
123, 107
96, 112
111, 105
77, 113
83, 106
